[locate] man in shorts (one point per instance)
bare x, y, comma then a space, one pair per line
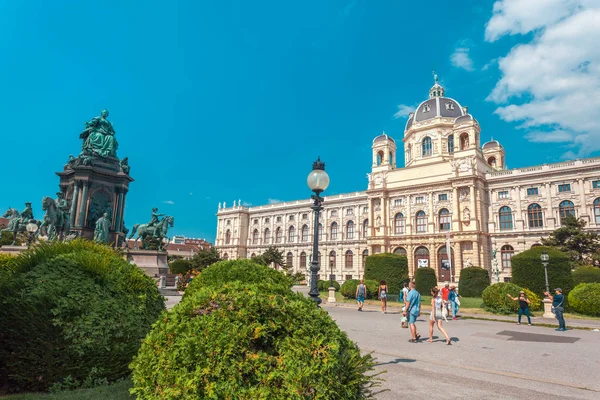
361, 293
413, 310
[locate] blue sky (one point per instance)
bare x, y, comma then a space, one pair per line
218, 100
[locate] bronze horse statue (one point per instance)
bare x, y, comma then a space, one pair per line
158, 231
55, 222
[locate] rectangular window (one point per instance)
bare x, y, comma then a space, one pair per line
503, 194
596, 184
291, 217
564, 188
278, 219
304, 216
467, 245
349, 211
334, 213
532, 191
443, 197
365, 209
398, 202
420, 200
348, 277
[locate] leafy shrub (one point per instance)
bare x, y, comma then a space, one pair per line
241, 341
180, 266
473, 281
586, 275
72, 312
324, 286
246, 271
585, 298
391, 268
6, 238
496, 300
425, 279
348, 289
528, 271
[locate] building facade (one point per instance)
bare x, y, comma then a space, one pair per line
453, 204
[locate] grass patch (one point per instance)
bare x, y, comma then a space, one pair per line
117, 391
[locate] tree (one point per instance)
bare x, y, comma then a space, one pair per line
583, 248
205, 258
528, 270
392, 268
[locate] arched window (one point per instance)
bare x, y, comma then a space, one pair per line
365, 254
399, 224
401, 251
291, 234
464, 141
350, 230
228, 237
451, 144
426, 144
565, 209
332, 258
349, 260
267, 236
305, 233
534, 216
303, 260
253, 255
421, 257
391, 158
365, 230
278, 235
225, 256
506, 253
597, 210
380, 158
444, 219
255, 236
492, 162
289, 259
320, 231
334, 230
506, 220
421, 221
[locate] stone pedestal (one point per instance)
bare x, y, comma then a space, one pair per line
153, 263
331, 298
548, 308
12, 250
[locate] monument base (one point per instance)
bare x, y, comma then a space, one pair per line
12, 250
548, 308
154, 263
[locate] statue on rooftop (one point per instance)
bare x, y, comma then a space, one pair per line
99, 137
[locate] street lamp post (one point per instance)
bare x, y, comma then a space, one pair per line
32, 228
547, 302
318, 181
331, 297
496, 269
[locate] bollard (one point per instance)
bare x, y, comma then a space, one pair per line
163, 282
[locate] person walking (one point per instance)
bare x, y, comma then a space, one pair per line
437, 308
558, 308
382, 295
361, 293
445, 293
453, 299
524, 303
413, 310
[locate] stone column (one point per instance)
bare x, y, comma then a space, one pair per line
549, 214
119, 216
432, 220
122, 213
83, 204
408, 218
455, 210
473, 221
74, 203
583, 208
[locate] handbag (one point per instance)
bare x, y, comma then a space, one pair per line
553, 309
457, 301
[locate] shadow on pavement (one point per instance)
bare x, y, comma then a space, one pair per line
397, 361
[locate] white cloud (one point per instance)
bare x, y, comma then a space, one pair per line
461, 59
404, 110
552, 82
169, 202
273, 201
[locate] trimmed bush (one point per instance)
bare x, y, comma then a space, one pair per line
247, 271
348, 289
425, 279
586, 275
528, 271
391, 268
473, 281
585, 299
72, 312
239, 341
180, 266
496, 300
324, 286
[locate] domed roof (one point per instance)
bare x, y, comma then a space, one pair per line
492, 144
383, 137
437, 106
464, 119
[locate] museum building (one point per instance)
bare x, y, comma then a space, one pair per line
453, 205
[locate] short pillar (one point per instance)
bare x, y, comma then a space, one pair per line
331, 298
548, 308
163, 282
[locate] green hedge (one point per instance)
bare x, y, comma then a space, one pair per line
72, 312
585, 299
239, 341
348, 289
391, 268
180, 266
473, 281
425, 279
586, 275
528, 271
324, 286
496, 300
241, 270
